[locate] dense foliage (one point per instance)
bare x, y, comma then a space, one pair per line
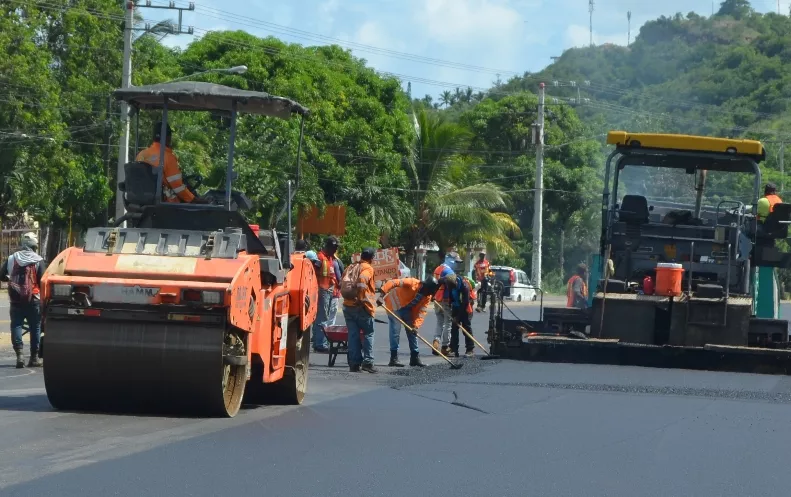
458, 173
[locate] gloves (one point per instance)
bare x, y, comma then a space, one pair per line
380, 302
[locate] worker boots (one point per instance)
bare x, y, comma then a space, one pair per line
394, 363
35, 361
414, 360
20, 359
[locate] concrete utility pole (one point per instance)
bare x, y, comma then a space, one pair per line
590, 11
538, 207
126, 82
782, 166
629, 28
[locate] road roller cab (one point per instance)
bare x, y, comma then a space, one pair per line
188, 308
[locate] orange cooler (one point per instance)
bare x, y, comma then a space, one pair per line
668, 279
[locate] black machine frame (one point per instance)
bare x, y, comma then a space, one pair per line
218, 99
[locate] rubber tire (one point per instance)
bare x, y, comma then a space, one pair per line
292, 388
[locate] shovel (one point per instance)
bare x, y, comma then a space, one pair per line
488, 355
409, 329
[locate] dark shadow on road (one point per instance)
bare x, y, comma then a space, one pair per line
26, 403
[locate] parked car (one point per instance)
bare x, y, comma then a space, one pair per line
404, 270
516, 284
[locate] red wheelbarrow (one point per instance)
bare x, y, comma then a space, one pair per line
338, 338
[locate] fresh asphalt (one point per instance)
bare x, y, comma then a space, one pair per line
493, 428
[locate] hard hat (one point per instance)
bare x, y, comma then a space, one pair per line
29, 240
311, 255
454, 256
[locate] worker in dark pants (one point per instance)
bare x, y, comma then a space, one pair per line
461, 310
23, 271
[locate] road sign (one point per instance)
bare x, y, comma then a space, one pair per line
385, 264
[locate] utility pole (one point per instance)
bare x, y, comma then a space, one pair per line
126, 82
538, 208
629, 29
782, 166
590, 11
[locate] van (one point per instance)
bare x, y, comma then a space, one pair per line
516, 284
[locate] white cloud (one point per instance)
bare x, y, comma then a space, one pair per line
328, 10
466, 21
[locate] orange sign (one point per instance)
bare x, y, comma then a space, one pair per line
385, 264
332, 222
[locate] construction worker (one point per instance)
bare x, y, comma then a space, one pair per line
328, 281
173, 187
408, 298
461, 312
23, 271
444, 322
337, 266
577, 289
766, 205
481, 273
359, 315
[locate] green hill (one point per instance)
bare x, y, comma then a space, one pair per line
724, 75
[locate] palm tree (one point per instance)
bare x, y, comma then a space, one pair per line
446, 98
468, 94
428, 100
446, 212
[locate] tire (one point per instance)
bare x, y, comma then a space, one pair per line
292, 388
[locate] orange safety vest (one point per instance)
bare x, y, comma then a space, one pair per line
481, 269
570, 290
401, 292
173, 187
773, 199
326, 274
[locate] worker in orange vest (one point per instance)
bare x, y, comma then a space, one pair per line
408, 299
481, 274
766, 205
173, 187
327, 280
442, 297
577, 289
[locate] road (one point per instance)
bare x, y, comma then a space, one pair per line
492, 428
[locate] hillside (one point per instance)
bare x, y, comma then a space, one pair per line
723, 75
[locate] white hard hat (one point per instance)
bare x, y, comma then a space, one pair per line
29, 239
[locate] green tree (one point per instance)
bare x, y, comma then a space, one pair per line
737, 9
448, 212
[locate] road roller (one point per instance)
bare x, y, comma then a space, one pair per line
180, 307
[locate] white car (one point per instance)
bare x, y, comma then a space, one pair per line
516, 284
404, 271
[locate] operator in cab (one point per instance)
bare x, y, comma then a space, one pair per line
767, 203
173, 187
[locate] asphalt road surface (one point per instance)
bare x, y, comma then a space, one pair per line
494, 428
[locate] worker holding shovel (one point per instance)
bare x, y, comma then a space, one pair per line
406, 301
461, 309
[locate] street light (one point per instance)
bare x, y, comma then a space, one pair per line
227, 70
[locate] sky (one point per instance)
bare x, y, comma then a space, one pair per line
426, 41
